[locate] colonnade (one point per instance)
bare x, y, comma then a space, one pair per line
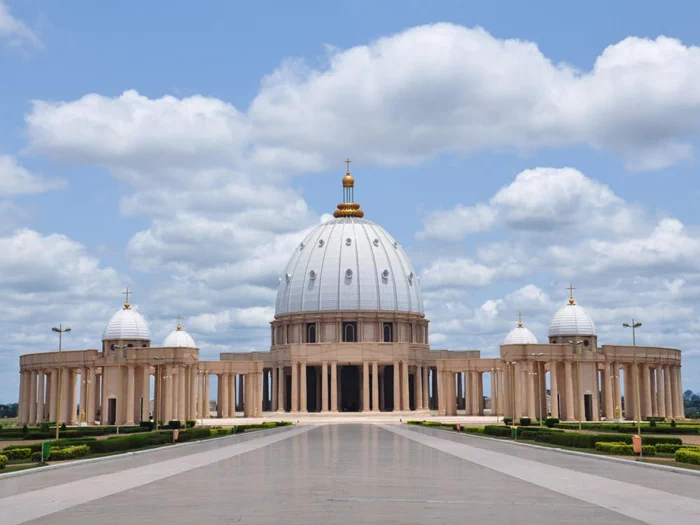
465, 391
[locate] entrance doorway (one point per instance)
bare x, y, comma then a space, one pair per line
312, 386
389, 388
111, 411
350, 389
588, 406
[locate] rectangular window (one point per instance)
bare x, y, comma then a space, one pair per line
349, 332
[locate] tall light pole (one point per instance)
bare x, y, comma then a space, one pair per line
60, 331
539, 385
634, 326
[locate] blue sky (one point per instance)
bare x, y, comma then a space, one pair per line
183, 150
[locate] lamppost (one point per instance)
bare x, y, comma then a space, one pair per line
156, 412
634, 327
60, 331
539, 385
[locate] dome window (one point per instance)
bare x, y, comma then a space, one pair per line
375, 242
321, 242
396, 244
385, 274
585, 342
301, 245
287, 277
348, 273
312, 275
410, 278
348, 241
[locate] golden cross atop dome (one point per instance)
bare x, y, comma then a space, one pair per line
126, 303
571, 294
347, 162
520, 319
179, 326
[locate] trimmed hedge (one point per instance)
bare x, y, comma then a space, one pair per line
494, 430
193, 433
73, 452
36, 457
174, 424
631, 428
3, 461
623, 449
525, 421
190, 423
147, 424
18, 453
671, 448
220, 431
551, 421
129, 442
685, 455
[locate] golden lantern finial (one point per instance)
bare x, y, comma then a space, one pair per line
520, 319
348, 208
127, 306
179, 326
571, 294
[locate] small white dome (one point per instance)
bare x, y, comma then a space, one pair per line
520, 336
127, 324
571, 320
179, 338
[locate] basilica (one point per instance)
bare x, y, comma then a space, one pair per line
350, 335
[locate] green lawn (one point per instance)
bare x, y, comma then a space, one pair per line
6, 422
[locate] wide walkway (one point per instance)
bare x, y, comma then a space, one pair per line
351, 474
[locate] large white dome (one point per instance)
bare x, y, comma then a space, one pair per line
177, 338
520, 336
127, 324
571, 320
349, 263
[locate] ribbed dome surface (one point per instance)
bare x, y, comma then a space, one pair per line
179, 338
127, 324
571, 320
520, 336
349, 264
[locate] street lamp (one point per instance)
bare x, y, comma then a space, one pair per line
60, 331
634, 327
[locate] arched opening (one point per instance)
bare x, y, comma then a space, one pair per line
350, 389
310, 332
388, 393
388, 333
350, 332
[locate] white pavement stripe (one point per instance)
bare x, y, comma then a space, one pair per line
38, 503
651, 506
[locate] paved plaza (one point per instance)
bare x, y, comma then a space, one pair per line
351, 473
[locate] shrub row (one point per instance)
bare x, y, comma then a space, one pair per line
496, 430
76, 451
671, 448
623, 449
35, 447
129, 442
221, 431
193, 433
685, 455
17, 453
3, 461
631, 428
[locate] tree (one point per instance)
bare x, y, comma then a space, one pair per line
688, 395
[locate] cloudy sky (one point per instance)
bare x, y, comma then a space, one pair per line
184, 150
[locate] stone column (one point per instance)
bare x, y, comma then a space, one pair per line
667, 391
302, 386
681, 414
397, 386
517, 389
652, 386
207, 396
568, 379
607, 378
460, 394
130, 395
426, 387
32, 397
365, 387
473, 393
334, 387
275, 386
324, 387
442, 405
53, 395
646, 391
259, 384
554, 388
21, 420
405, 398
281, 389
200, 394
418, 387
618, 389
375, 387
40, 397
90, 405
232, 395
295, 387
182, 393
146, 393
223, 400
677, 407
104, 405
531, 408
661, 387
